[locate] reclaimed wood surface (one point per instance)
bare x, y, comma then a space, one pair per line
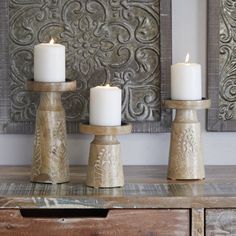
117, 222
198, 221
220, 222
145, 187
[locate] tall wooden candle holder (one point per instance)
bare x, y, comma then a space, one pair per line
185, 157
105, 169
50, 161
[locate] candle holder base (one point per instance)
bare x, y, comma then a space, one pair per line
185, 156
105, 169
50, 161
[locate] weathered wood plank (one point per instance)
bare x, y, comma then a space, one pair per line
117, 222
215, 192
133, 174
220, 222
197, 227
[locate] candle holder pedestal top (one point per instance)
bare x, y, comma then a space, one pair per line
67, 86
50, 161
187, 104
185, 155
105, 169
125, 128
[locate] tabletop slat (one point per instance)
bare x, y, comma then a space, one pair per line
146, 187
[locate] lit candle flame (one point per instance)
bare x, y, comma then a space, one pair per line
51, 41
187, 58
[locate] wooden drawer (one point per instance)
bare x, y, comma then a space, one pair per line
94, 222
220, 222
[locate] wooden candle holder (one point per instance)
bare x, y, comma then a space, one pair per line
185, 157
105, 169
50, 161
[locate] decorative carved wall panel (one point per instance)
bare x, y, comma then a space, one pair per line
222, 65
124, 43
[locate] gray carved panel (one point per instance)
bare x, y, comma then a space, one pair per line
222, 65
227, 93
112, 41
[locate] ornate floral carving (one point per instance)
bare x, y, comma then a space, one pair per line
37, 160
227, 86
109, 41
187, 149
57, 160
57, 152
103, 165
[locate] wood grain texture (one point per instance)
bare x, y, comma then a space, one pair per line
198, 222
213, 123
165, 63
105, 130
105, 169
68, 85
145, 187
220, 222
185, 155
194, 105
117, 222
50, 160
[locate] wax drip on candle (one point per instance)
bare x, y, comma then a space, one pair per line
187, 58
51, 41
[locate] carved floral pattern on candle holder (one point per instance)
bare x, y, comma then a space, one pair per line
37, 159
227, 66
58, 162
187, 149
58, 154
110, 41
103, 165
107, 168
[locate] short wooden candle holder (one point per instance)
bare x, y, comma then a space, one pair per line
105, 169
185, 157
50, 161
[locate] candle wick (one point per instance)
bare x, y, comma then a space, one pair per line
51, 41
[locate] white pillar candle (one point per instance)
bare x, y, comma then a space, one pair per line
186, 82
105, 106
49, 62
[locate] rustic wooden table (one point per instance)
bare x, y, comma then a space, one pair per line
148, 204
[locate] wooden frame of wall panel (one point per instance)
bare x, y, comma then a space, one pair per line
214, 123
7, 125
